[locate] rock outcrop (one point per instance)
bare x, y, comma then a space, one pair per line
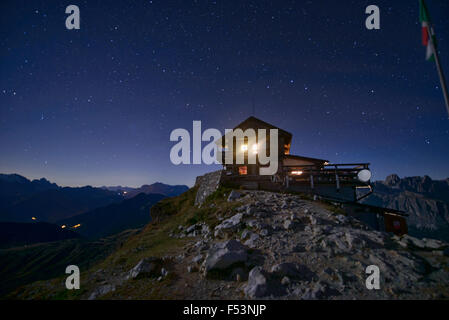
207, 184
146, 267
278, 246
223, 256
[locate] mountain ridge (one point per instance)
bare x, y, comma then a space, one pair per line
21, 199
104, 221
155, 188
425, 200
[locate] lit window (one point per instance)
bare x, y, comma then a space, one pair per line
243, 170
296, 173
255, 147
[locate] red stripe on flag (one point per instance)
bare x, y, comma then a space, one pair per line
425, 36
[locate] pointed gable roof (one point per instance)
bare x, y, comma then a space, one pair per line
255, 123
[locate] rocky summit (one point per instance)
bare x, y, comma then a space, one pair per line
264, 245
284, 247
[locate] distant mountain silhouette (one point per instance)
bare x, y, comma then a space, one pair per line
114, 218
12, 185
426, 200
158, 187
118, 188
22, 199
15, 234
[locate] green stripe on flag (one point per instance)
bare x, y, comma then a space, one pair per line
423, 14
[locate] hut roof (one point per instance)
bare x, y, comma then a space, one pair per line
290, 156
253, 122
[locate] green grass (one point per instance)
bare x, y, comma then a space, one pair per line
26, 264
152, 240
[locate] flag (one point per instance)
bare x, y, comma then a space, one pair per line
426, 29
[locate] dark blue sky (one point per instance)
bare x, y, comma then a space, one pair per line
97, 105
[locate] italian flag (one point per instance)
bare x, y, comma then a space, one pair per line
426, 28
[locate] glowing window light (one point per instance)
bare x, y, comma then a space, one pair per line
63, 226
296, 173
255, 147
77, 225
243, 170
33, 218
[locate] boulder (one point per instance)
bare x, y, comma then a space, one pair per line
191, 228
288, 224
245, 234
101, 291
257, 284
433, 244
224, 255
251, 242
341, 218
285, 281
262, 284
197, 258
234, 195
228, 225
146, 267
288, 269
292, 271
426, 244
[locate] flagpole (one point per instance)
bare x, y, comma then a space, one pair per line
440, 71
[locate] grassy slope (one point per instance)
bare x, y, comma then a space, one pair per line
22, 265
153, 240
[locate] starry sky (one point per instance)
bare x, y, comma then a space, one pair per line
96, 106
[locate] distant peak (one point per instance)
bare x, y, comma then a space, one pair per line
13, 177
392, 179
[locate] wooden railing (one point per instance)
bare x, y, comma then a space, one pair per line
338, 174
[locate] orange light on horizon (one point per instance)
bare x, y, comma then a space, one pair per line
63, 226
33, 218
77, 225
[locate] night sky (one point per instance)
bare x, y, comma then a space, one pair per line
97, 105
